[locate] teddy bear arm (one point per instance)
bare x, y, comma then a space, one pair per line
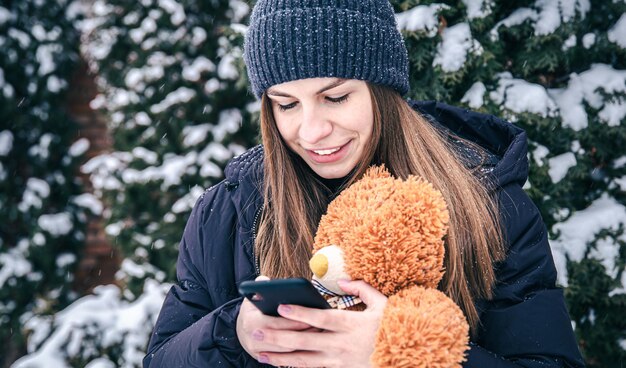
421, 328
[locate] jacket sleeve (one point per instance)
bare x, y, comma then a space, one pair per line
526, 324
191, 331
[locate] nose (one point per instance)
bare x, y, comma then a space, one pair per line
319, 265
315, 125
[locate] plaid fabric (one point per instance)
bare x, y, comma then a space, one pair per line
335, 300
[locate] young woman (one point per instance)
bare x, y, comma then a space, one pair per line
331, 75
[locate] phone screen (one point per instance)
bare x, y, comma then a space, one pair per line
267, 295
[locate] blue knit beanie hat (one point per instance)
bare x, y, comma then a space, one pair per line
297, 39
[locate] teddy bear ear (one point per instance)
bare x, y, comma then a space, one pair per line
380, 171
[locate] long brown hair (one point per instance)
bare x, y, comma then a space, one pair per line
408, 145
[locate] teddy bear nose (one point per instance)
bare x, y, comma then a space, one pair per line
319, 265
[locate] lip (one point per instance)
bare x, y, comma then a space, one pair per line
331, 158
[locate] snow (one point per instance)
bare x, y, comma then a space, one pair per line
581, 229
38, 32
194, 71
211, 86
613, 113
195, 134
54, 84
101, 363
239, 28
65, 259
148, 25
198, 36
5, 15
213, 151
42, 148
174, 167
176, 11
585, 88
90, 202
539, 154
141, 118
552, 13
546, 15
145, 155
518, 17
229, 122
588, 40
130, 268
14, 264
569, 43
36, 190
474, 96
226, 68
520, 96
56, 224
45, 57
617, 33
181, 95
477, 8
549, 18
239, 10
559, 165
22, 38
456, 43
114, 229
123, 323
422, 18
79, 147
7, 89
186, 203
6, 142
131, 18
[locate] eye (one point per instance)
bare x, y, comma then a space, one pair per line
286, 107
338, 100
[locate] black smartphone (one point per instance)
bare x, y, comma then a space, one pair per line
268, 294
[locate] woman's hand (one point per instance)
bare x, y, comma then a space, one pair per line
344, 338
252, 324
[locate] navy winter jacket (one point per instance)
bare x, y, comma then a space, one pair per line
526, 323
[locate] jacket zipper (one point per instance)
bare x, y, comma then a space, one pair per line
257, 216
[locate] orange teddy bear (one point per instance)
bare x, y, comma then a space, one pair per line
389, 233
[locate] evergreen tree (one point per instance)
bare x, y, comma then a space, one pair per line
173, 86
41, 205
175, 92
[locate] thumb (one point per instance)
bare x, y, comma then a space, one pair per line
373, 298
262, 278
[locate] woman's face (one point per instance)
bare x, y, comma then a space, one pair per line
326, 121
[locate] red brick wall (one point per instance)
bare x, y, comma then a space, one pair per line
100, 259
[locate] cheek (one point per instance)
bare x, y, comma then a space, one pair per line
363, 122
284, 129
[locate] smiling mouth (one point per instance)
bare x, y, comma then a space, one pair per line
327, 151
328, 155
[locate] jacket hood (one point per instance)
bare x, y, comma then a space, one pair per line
499, 137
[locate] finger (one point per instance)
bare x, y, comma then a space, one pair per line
373, 298
299, 340
261, 278
324, 319
260, 320
297, 359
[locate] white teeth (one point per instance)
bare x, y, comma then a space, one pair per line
326, 152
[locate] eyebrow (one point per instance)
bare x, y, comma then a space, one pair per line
332, 85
